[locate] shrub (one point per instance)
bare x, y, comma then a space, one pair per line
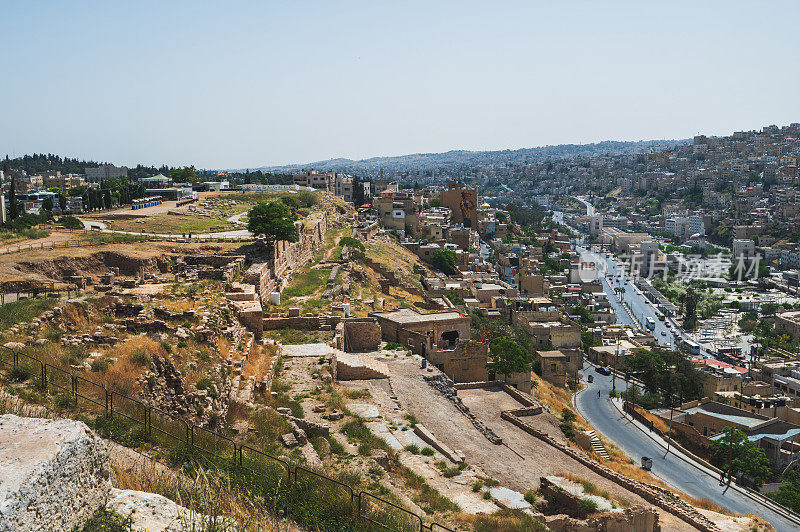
587, 506
413, 448
336, 447
63, 401
167, 346
140, 358
394, 345
568, 415
19, 374
530, 497
69, 222
99, 364
182, 344
477, 485
351, 242
487, 495
108, 521
568, 430
427, 451
364, 449
357, 394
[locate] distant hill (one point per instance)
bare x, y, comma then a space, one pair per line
456, 158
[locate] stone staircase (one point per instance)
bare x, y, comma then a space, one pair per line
349, 367
597, 445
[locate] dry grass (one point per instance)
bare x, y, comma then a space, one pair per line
211, 499
259, 360
132, 358
224, 347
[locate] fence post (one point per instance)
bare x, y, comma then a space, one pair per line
75, 388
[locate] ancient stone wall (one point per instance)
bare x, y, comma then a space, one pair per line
661, 497
465, 363
639, 518
358, 336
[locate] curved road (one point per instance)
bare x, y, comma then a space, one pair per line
679, 472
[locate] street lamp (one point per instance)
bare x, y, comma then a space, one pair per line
669, 433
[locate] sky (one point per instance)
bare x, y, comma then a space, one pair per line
245, 84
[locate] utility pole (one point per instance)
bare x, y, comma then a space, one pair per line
614, 371
730, 454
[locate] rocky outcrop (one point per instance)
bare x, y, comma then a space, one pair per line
156, 513
53, 474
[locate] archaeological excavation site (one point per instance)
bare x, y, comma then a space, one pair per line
335, 382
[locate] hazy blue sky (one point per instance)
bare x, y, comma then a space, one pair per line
244, 84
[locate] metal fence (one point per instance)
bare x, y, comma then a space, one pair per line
161, 427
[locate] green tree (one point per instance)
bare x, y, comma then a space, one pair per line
585, 315
358, 192
13, 206
273, 221
306, 198
690, 309
508, 357
743, 456
444, 260
187, 174
789, 494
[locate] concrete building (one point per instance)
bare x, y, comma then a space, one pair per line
156, 181
106, 171
463, 204
344, 187
684, 227
744, 249
319, 180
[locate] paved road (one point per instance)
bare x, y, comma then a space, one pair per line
679, 473
615, 277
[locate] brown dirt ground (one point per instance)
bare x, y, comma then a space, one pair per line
498, 461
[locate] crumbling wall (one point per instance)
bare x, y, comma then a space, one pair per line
465, 363
359, 336
639, 518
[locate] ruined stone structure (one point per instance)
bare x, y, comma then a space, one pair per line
349, 367
270, 276
358, 336
466, 362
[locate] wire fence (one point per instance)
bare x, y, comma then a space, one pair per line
273, 476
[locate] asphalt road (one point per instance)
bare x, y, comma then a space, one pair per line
615, 277
680, 473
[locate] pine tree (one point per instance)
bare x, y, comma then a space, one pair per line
13, 208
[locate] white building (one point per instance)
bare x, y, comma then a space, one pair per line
684, 227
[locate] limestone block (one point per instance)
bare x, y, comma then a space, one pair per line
53, 474
156, 513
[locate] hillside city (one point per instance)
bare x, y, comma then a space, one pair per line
585, 340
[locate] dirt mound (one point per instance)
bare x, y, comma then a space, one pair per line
98, 263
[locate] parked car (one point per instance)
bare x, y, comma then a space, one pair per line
602, 370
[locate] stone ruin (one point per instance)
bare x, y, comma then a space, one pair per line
165, 388
55, 474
